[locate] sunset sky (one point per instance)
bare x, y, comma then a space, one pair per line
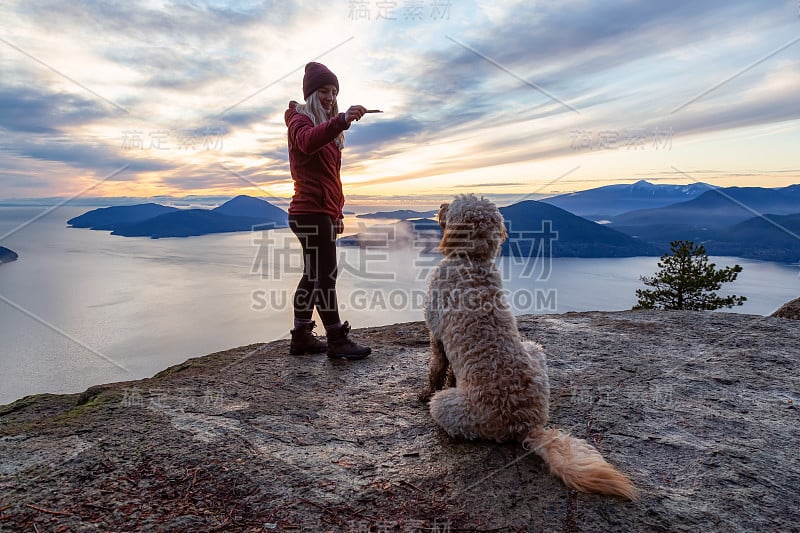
509, 98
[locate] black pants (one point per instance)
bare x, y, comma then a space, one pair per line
317, 287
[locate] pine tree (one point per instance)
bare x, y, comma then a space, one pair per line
686, 280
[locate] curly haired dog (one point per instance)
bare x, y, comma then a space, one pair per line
484, 382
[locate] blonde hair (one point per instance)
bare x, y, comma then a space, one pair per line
313, 109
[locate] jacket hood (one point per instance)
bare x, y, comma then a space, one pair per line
290, 111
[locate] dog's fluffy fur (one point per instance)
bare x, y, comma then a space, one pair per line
484, 382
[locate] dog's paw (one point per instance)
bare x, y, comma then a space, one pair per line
425, 395
536, 351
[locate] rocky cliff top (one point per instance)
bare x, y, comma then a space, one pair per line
699, 408
789, 310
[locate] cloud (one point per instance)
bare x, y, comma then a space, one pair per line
373, 134
190, 22
567, 50
493, 80
481, 185
557, 42
33, 110
98, 157
221, 177
178, 68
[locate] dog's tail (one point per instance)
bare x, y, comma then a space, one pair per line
578, 464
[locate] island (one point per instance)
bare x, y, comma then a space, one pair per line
400, 214
243, 213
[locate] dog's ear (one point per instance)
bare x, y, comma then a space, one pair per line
442, 216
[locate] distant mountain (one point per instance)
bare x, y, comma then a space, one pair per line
718, 208
108, 218
535, 229
662, 234
423, 234
247, 206
243, 213
604, 202
532, 227
767, 238
6, 255
400, 214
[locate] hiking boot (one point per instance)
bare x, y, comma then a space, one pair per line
340, 345
304, 341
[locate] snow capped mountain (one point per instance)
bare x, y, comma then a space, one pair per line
610, 200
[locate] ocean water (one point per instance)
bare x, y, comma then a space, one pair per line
83, 307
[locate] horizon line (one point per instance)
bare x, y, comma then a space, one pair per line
33, 201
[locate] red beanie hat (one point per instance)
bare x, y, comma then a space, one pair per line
316, 76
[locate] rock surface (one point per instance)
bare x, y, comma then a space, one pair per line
789, 310
699, 408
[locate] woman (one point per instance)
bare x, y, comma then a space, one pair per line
316, 139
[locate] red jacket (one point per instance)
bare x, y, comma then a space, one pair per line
315, 161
